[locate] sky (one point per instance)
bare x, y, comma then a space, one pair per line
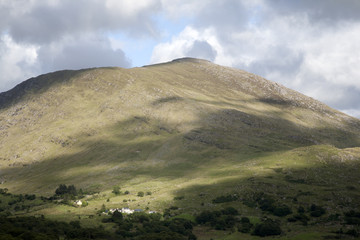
312, 46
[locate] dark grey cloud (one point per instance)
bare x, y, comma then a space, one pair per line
319, 10
344, 97
224, 15
85, 52
280, 60
45, 22
202, 49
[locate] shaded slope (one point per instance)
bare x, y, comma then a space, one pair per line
175, 121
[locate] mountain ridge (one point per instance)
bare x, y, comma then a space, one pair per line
177, 112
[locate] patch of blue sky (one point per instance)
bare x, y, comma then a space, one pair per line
139, 50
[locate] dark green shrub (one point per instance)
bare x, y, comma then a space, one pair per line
230, 211
333, 217
352, 220
228, 198
352, 232
229, 221
282, 211
208, 217
291, 219
302, 218
245, 225
220, 224
267, 228
204, 217
352, 213
116, 190
316, 211
352, 217
179, 198
140, 194
266, 203
30, 197
301, 209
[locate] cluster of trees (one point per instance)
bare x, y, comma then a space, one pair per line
41, 228
66, 190
229, 218
141, 226
268, 204
220, 220
16, 202
260, 200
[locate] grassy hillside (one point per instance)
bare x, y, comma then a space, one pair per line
188, 129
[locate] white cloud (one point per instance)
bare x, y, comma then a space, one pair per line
188, 43
298, 45
67, 34
16, 62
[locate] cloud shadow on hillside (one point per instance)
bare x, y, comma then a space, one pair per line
143, 147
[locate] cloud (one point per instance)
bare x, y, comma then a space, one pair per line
190, 42
309, 46
16, 62
82, 52
202, 49
40, 22
41, 36
320, 10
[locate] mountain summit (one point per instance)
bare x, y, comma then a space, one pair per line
182, 122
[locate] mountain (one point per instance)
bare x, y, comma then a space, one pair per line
187, 128
107, 123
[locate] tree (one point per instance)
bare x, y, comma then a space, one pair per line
140, 194
72, 190
116, 190
63, 189
117, 217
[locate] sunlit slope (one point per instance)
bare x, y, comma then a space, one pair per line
164, 126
